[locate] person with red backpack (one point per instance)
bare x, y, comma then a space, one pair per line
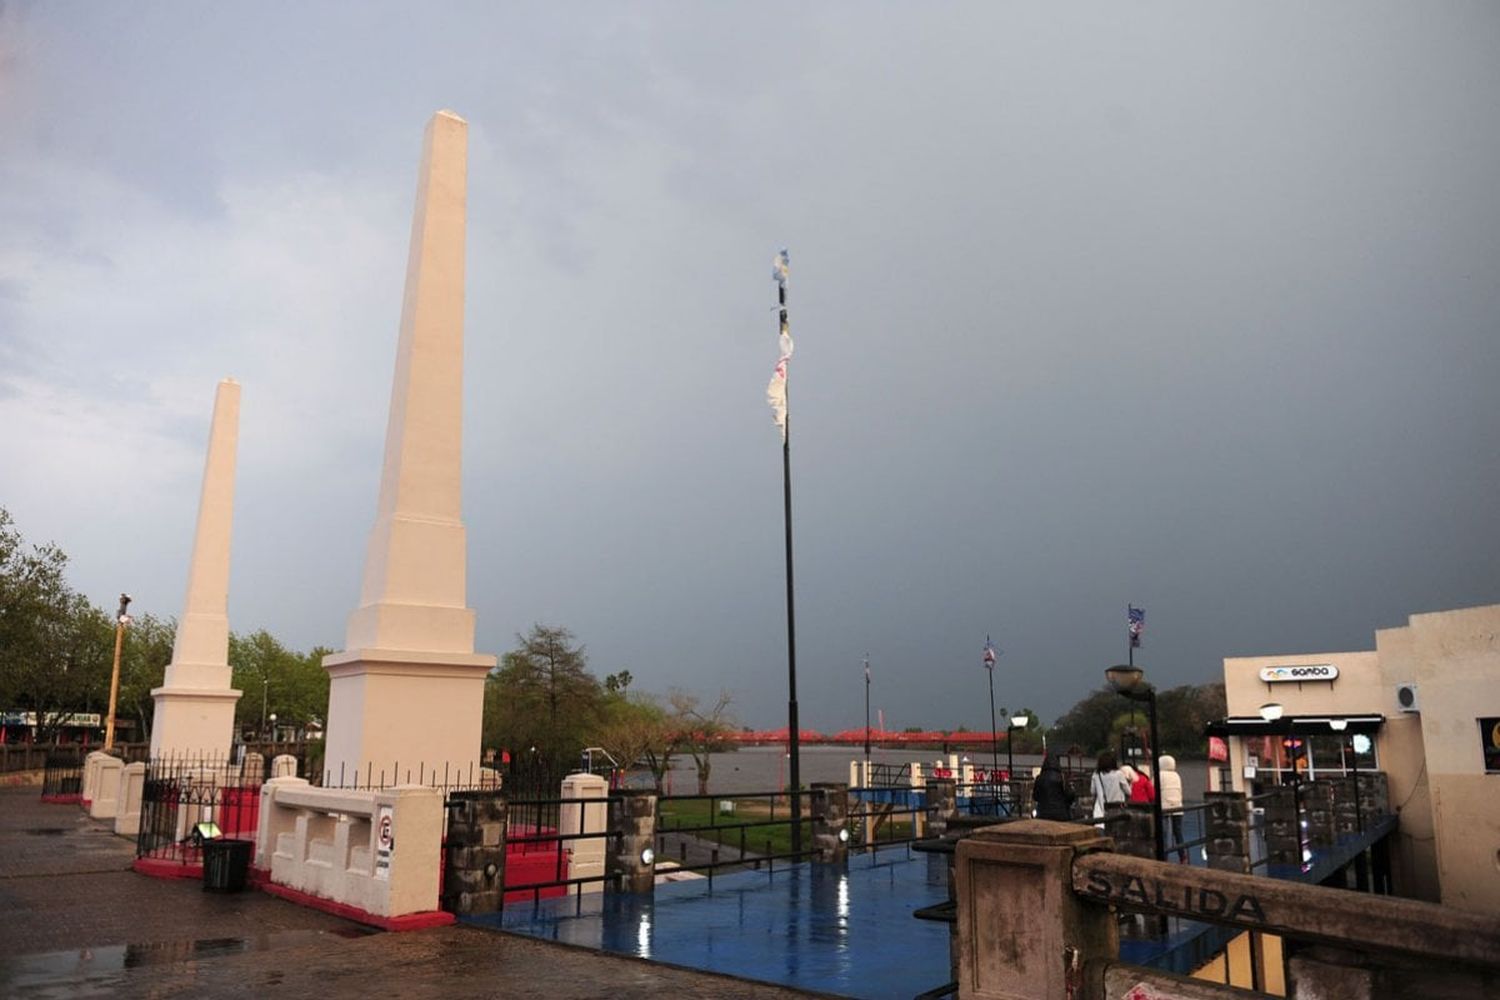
1142, 791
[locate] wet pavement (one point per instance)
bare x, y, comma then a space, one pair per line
843, 930
76, 922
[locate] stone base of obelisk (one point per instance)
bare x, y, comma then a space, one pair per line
402, 717
193, 723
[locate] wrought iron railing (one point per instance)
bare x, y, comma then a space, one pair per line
750, 823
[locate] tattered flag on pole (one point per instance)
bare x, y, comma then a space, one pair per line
989, 654
1135, 621
776, 390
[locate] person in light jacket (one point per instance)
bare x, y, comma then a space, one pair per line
1108, 783
1171, 799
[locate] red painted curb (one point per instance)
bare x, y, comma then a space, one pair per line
157, 868
405, 922
73, 798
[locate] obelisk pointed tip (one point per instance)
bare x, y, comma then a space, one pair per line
445, 113
229, 380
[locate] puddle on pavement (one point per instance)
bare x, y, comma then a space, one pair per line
80, 965
45, 831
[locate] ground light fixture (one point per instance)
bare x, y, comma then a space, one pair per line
844, 835
1129, 680
648, 857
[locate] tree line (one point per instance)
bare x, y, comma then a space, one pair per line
1098, 721
57, 651
542, 701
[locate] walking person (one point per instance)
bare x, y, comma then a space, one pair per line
1053, 798
1107, 784
1142, 791
1171, 801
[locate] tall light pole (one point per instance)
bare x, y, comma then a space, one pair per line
867, 720
1015, 722
1130, 680
265, 698
121, 620
776, 394
990, 656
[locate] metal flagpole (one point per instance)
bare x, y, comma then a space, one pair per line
793, 734
989, 666
865, 778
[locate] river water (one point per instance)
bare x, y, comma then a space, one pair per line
765, 769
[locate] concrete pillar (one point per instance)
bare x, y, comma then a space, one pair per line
942, 804
253, 769
1022, 932
474, 878
1345, 819
283, 765
588, 854
132, 787
106, 800
408, 689
194, 712
830, 813
1135, 834
1228, 822
91, 776
1318, 807
1283, 828
917, 780
1374, 793
634, 833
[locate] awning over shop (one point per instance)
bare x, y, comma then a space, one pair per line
1289, 725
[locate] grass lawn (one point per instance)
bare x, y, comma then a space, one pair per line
764, 832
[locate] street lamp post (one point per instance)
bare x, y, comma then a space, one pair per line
1015, 722
866, 776
121, 620
273, 730
265, 698
1130, 680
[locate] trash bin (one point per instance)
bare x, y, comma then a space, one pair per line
226, 862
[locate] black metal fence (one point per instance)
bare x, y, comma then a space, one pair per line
185, 801
755, 828
62, 779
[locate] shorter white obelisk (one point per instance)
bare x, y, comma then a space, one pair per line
406, 694
194, 714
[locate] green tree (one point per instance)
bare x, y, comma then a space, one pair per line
143, 665
543, 696
277, 680
702, 731
1087, 724
636, 729
55, 648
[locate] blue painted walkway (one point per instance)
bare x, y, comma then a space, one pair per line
814, 927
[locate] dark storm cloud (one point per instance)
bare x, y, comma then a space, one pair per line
1188, 307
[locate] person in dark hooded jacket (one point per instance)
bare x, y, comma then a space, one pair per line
1053, 797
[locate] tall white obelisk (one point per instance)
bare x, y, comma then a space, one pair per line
407, 692
194, 714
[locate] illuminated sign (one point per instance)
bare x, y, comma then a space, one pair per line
1310, 672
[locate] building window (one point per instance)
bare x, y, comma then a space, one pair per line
1489, 740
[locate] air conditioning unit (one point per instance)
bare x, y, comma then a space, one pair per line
1406, 698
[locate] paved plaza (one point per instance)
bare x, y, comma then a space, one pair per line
77, 922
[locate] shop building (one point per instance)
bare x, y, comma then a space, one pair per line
1422, 707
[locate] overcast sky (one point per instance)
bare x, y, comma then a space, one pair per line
1195, 306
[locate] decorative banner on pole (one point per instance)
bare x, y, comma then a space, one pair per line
776, 390
1136, 623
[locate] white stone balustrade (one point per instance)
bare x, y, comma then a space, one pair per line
105, 801
586, 856
327, 842
132, 786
